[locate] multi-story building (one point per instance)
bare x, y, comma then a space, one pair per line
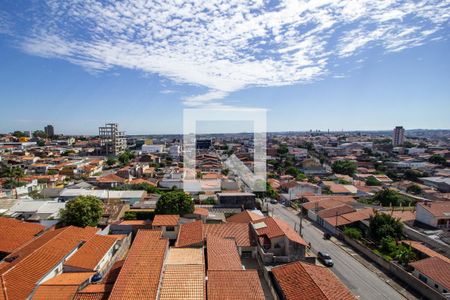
49, 130
398, 136
113, 141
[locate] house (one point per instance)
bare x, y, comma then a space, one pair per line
109, 181
440, 183
339, 189
46, 213
185, 265
433, 271
15, 233
168, 224
234, 284
130, 226
435, 214
63, 286
277, 241
40, 260
98, 254
222, 254
246, 216
304, 281
141, 272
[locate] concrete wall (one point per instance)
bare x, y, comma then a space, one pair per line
393, 268
415, 235
425, 216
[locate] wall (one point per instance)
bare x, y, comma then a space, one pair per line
415, 235
393, 268
425, 216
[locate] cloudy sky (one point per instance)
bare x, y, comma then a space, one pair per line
324, 64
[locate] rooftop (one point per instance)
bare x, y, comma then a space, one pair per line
302, 281
182, 256
234, 284
222, 254
183, 282
166, 220
15, 233
435, 268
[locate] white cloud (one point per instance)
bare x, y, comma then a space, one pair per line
228, 45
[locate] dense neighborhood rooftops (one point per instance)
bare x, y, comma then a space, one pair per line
222, 254
140, 274
74, 278
435, 268
166, 220
298, 281
55, 292
439, 209
190, 234
274, 227
234, 284
239, 231
15, 233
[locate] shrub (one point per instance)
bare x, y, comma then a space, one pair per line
353, 233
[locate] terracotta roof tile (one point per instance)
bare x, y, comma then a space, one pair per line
76, 278
337, 210
201, 211
183, 282
55, 292
245, 216
239, 231
111, 276
166, 220
94, 292
15, 233
222, 254
274, 227
20, 280
190, 234
111, 178
234, 285
140, 274
92, 252
435, 268
183, 256
302, 281
425, 250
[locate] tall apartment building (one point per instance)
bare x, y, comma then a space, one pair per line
398, 136
49, 130
112, 140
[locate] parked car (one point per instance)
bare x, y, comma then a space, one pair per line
326, 236
273, 201
325, 258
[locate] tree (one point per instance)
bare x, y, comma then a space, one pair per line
225, 172
345, 167
282, 150
404, 254
292, 171
125, 157
175, 202
437, 159
209, 200
40, 143
82, 211
372, 181
39, 134
389, 197
382, 225
111, 161
414, 189
353, 233
19, 134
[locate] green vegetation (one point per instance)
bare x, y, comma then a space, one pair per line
345, 167
389, 197
413, 175
353, 232
175, 203
437, 159
390, 249
82, 211
111, 161
268, 193
210, 201
225, 172
382, 225
414, 189
372, 181
19, 134
125, 157
40, 134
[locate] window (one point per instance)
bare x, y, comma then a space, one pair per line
423, 278
170, 228
436, 286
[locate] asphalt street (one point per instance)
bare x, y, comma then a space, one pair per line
364, 283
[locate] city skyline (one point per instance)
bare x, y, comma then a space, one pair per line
364, 66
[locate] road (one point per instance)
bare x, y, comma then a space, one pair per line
361, 281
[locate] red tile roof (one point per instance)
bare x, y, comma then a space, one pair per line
141, 272
201, 211
274, 227
435, 268
55, 292
166, 220
91, 253
15, 233
20, 280
75, 278
222, 254
111, 178
190, 234
94, 292
425, 250
302, 281
245, 216
439, 209
234, 285
338, 210
239, 231
183, 282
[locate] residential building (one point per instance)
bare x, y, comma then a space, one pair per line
246, 200
435, 214
433, 271
168, 224
49, 131
304, 281
398, 136
112, 141
234, 284
147, 149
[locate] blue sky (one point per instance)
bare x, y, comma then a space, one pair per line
352, 65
